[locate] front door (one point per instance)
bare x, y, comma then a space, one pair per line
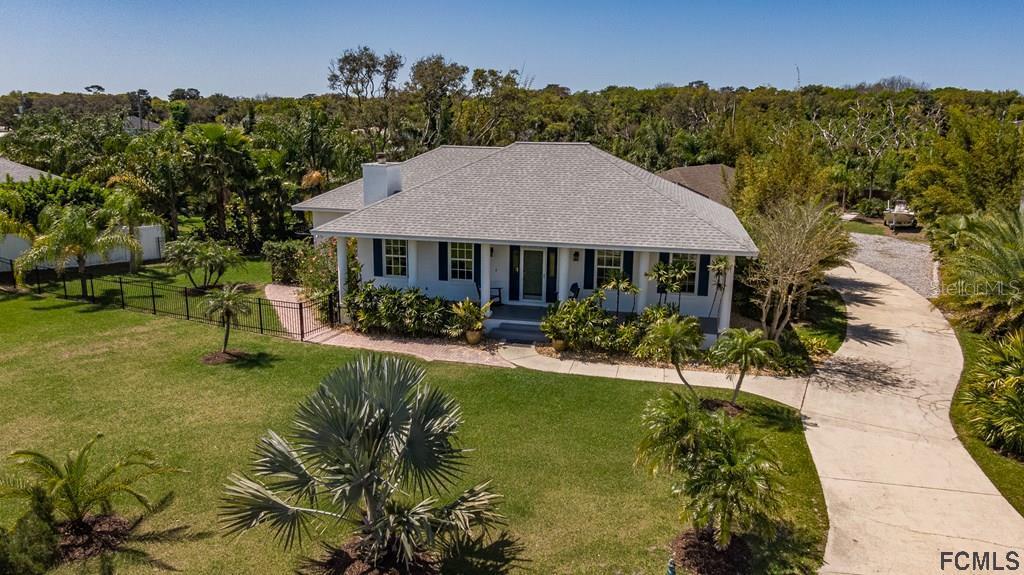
533, 275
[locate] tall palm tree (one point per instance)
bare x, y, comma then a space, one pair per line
373, 447
734, 484
226, 306
681, 337
744, 349
72, 233
223, 164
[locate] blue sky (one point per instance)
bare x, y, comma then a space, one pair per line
283, 48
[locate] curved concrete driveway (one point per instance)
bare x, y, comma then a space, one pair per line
899, 486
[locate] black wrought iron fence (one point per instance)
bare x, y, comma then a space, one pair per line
290, 319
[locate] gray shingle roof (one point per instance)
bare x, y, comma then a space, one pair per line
415, 171
568, 194
19, 172
709, 180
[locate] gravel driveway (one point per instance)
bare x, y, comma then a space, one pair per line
909, 262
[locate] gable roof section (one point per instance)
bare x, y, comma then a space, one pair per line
439, 161
19, 172
707, 180
567, 194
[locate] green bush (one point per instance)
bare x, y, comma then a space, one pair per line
996, 394
396, 311
285, 259
870, 207
191, 256
36, 194
30, 548
585, 325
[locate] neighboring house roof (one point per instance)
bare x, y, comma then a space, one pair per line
560, 194
709, 180
19, 172
439, 161
137, 124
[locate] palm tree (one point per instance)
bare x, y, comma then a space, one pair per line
223, 164
371, 447
673, 426
124, 208
226, 306
73, 232
621, 283
733, 485
744, 349
681, 337
990, 262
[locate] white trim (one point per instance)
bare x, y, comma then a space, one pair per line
543, 275
539, 244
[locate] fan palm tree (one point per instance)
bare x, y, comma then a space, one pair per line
371, 447
734, 484
681, 337
222, 162
72, 233
744, 349
226, 306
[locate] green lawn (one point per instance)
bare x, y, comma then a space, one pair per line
825, 317
860, 227
559, 447
1005, 472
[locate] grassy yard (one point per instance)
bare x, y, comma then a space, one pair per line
1005, 472
825, 318
860, 227
559, 447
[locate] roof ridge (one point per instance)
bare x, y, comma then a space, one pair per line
550, 143
413, 188
616, 162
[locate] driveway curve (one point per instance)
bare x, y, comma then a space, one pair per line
899, 486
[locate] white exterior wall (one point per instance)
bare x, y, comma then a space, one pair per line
151, 238
427, 279
321, 218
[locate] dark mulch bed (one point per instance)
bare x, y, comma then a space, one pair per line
730, 409
220, 357
695, 551
97, 534
345, 561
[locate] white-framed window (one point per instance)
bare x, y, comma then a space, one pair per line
396, 258
607, 263
690, 285
460, 261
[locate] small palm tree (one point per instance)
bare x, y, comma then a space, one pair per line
72, 233
226, 306
373, 446
744, 349
468, 316
734, 484
681, 338
621, 283
673, 426
719, 268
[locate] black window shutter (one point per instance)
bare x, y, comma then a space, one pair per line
513, 273
663, 258
442, 261
627, 264
588, 269
702, 274
476, 266
551, 294
378, 257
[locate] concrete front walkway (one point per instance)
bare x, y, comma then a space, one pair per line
899, 486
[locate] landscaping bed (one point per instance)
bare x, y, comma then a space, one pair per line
560, 448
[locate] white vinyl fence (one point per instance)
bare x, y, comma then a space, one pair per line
151, 238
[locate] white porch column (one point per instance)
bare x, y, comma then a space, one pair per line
342, 251
644, 264
563, 273
410, 262
485, 273
725, 307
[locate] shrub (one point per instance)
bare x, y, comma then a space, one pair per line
468, 315
191, 256
996, 394
396, 311
870, 207
31, 546
285, 259
582, 323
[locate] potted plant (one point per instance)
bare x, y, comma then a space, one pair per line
468, 320
554, 327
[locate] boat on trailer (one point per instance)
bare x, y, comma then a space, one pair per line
899, 215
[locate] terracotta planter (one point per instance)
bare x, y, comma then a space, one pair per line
559, 345
473, 337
